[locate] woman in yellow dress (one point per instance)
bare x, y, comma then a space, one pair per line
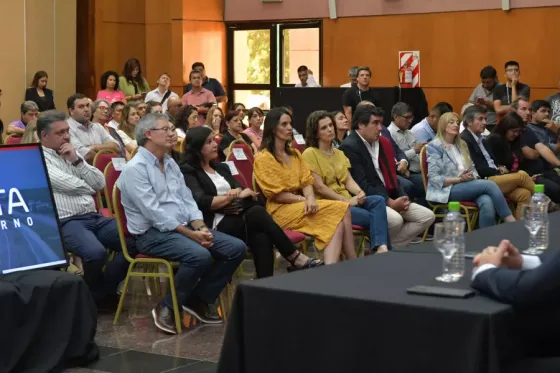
287, 183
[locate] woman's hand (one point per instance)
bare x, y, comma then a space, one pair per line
466, 176
311, 206
354, 201
233, 194
137, 97
361, 197
248, 193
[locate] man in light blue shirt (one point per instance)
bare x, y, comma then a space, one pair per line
426, 130
166, 222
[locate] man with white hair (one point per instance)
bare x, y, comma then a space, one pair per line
353, 76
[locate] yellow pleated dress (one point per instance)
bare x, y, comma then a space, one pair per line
274, 177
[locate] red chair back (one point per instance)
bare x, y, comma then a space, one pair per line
424, 167
11, 140
102, 159
111, 177
120, 216
243, 146
244, 167
300, 147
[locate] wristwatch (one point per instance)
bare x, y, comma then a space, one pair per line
77, 162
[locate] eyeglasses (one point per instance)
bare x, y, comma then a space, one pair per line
512, 70
165, 129
407, 117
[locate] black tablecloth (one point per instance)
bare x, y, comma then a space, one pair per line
357, 317
47, 322
479, 239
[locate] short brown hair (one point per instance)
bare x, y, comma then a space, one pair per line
312, 127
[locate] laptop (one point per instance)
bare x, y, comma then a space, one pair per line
30, 236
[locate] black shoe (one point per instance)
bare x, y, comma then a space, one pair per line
205, 313
164, 319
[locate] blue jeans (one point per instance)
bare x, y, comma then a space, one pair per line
487, 196
414, 188
87, 236
372, 215
213, 266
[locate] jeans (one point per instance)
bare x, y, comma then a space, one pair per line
88, 236
372, 215
487, 196
414, 188
213, 266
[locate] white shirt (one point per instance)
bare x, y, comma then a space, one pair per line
529, 262
82, 136
222, 188
310, 82
156, 96
484, 134
406, 142
113, 124
373, 150
127, 139
346, 85
73, 187
457, 157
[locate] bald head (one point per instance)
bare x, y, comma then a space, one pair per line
173, 105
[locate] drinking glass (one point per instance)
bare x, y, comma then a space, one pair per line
533, 224
444, 243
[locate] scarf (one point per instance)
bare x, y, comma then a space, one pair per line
387, 165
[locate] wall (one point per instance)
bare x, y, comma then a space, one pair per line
453, 49
247, 10
36, 35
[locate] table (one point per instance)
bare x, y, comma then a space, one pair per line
357, 317
479, 239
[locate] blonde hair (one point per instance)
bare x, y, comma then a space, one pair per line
210, 117
124, 125
444, 120
30, 129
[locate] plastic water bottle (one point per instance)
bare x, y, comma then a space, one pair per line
455, 228
539, 204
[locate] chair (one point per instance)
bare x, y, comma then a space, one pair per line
469, 210
362, 234
240, 144
141, 259
300, 147
12, 139
244, 166
134, 152
111, 176
100, 161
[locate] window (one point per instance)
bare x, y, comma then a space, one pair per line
301, 46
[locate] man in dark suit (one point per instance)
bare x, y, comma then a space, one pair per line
373, 167
518, 186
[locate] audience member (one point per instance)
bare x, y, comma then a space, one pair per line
86, 233
426, 130
141, 107
373, 168
29, 111
516, 185
132, 84
554, 101
254, 131
30, 134
101, 112
166, 223
286, 182
110, 88
127, 126
453, 177
174, 104
483, 94
86, 137
544, 129
187, 118
306, 78
352, 76
161, 94
116, 112
154, 107
342, 127
506, 94
39, 93
329, 168
242, 111
522, 107
358, 93
215, 120
232, 209
234, 132
211, 84
199, 97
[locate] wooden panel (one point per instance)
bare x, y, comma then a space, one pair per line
85, 48
454, 47
121, 42
65, 51
40, 25
158, 51
210, 10
158, 11
124, 11
176, 69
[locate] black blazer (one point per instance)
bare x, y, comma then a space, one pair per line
203, 188
362, 168
480, 163
44, 103
502, 150
523, 288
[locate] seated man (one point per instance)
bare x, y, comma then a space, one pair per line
541, 125
86, 137
506, 94
86, 233
166, 223
483, 94
306, 78
516, 186
372, 167
29, 111
426, 130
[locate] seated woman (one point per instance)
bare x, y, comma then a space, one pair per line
129, 120
286, 182
214, 120
229, 208
240, 108
234, 132
505, 144
452, 176
254, 131
329, 167
187, 118
341, 126
110, 88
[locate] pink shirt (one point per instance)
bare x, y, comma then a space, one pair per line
195, 99
111, 97
254, 136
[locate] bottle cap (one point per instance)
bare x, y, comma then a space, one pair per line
539, 188
454, 206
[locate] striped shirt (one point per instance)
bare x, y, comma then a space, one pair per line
83, 137
73, 187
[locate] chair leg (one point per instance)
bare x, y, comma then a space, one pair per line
178, 321
123, 294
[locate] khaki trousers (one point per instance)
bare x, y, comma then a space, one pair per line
518, 187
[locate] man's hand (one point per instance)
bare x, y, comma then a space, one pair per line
402, 167
503, 170
203, 237
505, 255
515, 80
68, 153
418, 147
400, 204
